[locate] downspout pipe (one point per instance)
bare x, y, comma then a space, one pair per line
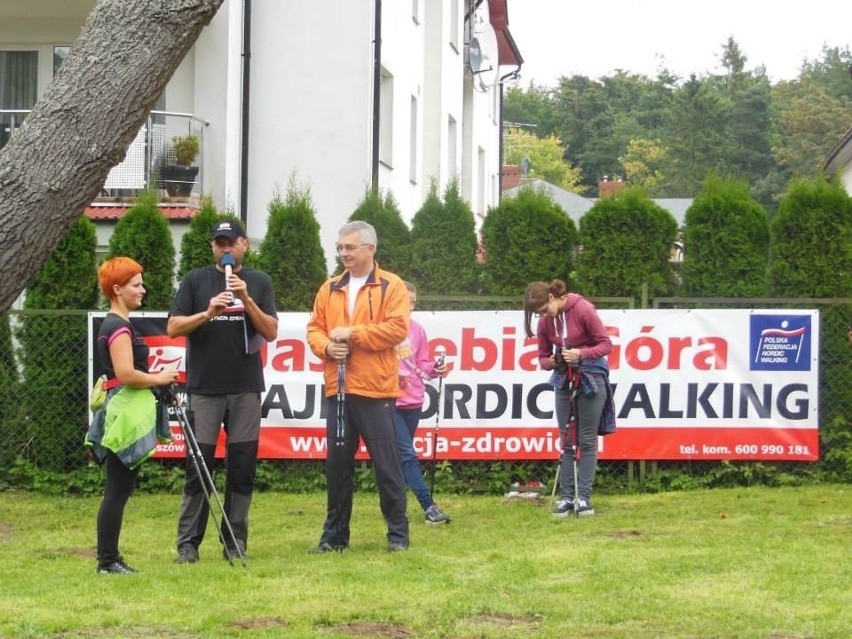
244, 126
509, 76
377, 91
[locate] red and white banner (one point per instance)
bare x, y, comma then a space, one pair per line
688, 384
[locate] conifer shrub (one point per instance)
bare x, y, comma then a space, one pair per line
291, 253
626, 242
54, 391
726, 242
528, 237
443, 244
195, 251
811, 256
143, 234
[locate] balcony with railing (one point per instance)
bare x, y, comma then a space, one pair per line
165, 156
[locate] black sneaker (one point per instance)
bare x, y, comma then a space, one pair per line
324, 547
564, 508
395, 547
435, 515
584, 509
187, 554
116, 568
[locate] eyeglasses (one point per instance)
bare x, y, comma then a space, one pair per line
348, 248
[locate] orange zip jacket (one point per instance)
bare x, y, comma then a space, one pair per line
379, 324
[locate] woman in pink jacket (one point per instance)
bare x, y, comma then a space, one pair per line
414, 368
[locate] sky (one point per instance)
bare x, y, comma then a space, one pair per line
584, 37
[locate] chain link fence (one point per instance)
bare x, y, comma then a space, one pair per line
44, 364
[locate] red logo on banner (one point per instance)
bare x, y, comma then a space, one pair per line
167, 353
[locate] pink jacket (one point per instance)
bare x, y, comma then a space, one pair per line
414, 367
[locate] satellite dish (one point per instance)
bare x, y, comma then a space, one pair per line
474, 56
482, 58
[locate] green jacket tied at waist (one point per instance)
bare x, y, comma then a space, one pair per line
130, 424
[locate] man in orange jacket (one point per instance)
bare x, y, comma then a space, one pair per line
358, 319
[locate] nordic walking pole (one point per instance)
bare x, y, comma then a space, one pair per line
193, 451
340, 437
441, 353
572, 426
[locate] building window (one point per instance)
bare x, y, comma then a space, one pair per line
454, 24
386, 119
452, 142
18, 89
412, 143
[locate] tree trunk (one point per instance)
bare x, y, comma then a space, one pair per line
57, 161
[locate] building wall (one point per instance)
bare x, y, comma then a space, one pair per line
311, 101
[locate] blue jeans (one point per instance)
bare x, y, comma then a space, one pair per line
405, 421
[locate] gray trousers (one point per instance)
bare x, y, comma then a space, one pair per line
589, 410
240, 414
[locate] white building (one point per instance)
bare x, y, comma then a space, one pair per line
303, 104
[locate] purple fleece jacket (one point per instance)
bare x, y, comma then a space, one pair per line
578, 326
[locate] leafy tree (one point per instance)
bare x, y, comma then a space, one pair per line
749, 152
810, 112
599, 118
726, 242
443, 244
545, 156
626, 242
394, 250
53, 349
143, 234
291, 252
643, 163
811, 250
195, 251
696, 135
50, 171
527, 237
830, 72
809, 121
533, 107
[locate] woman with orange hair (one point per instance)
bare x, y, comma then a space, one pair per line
126, 429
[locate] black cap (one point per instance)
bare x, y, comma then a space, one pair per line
228, 228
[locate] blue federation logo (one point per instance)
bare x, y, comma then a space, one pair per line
780, 343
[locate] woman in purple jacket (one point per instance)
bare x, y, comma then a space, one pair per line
414, 368
569, 330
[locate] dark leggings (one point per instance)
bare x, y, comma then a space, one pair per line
120, 481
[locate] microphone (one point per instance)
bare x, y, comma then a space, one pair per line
227, 262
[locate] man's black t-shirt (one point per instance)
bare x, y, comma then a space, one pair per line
221, 354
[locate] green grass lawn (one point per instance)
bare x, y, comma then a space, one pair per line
743, 563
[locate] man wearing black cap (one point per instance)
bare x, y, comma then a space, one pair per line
226, 311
